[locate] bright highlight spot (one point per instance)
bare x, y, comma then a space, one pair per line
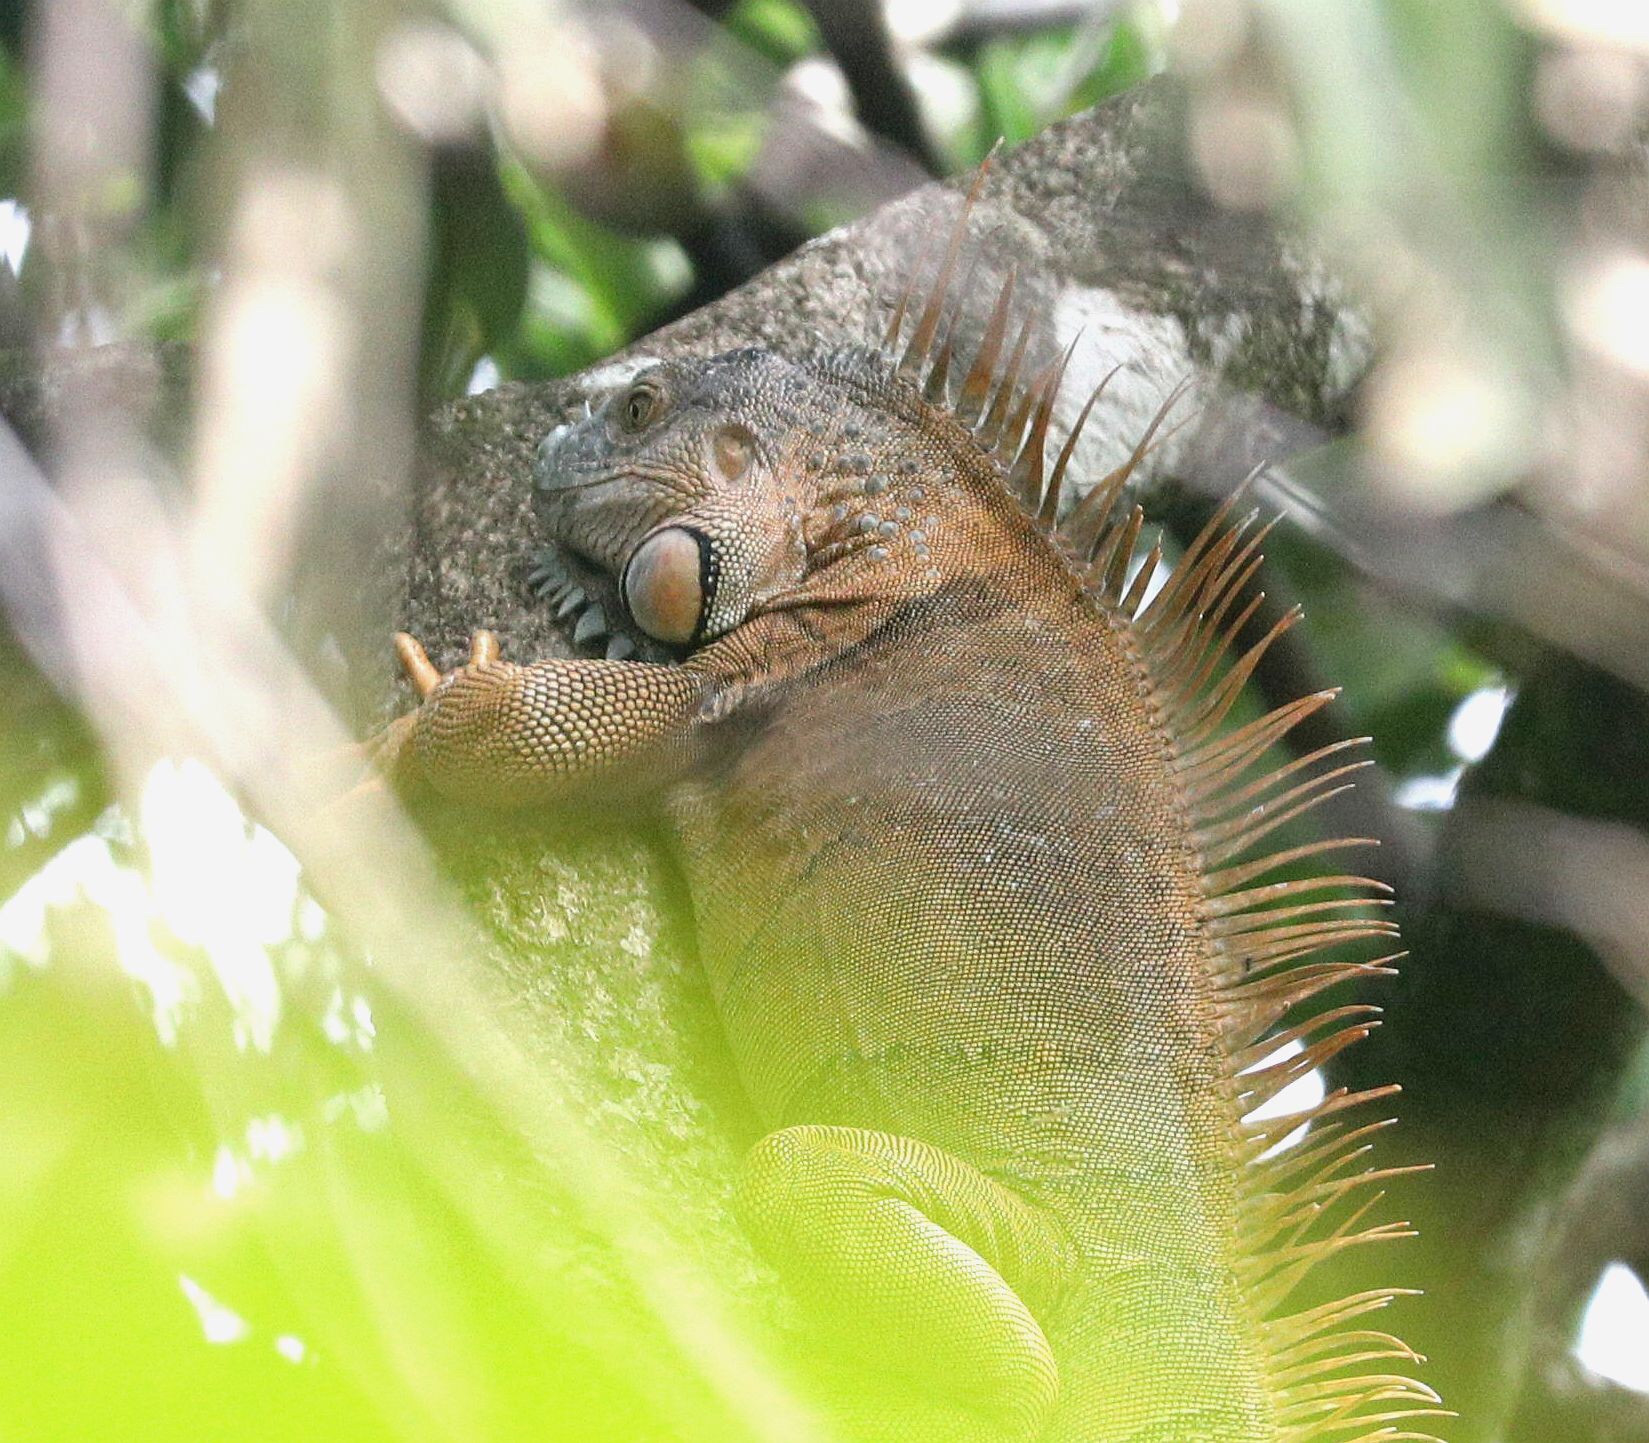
291, 1348
1448, 428
1471, 734
920, 22
821, 87
215, 883
1476, 722
220, 1323
1614, 1333
367, 1105
1608, 307
273, 1138
1159, 579
1622, 23
1301, 1095
15, 229
229, 1172
348, 1025
86, 869
221, 886
433, 80
269, 1140
311, 922
551, 95
36, 816
1429, 793
201, 85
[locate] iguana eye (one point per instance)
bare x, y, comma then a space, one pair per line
670, 583
643, 402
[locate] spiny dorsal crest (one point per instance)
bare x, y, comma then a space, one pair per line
1009, 412
1300, 1204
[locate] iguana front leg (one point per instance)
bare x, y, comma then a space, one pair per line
502, 734
923, 1267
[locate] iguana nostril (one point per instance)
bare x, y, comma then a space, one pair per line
545, 475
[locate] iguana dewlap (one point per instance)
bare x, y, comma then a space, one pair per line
969, 849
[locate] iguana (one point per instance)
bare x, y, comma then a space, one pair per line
968, 842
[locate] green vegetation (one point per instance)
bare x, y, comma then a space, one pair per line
250, 1189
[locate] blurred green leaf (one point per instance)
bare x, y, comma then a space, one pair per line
1027, 81
780, 30
13, 124
1009, 111
478, 269
1130, 57
590, 289
723, 148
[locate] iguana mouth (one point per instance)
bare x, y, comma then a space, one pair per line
588, 608
581, 586
550, 480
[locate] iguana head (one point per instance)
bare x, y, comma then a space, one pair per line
686, 485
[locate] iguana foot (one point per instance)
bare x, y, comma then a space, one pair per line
918, 1263
422, 672
389, 751
387, 754
495, 733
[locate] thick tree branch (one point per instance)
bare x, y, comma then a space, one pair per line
1109, 235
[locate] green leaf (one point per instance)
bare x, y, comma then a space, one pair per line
780, 30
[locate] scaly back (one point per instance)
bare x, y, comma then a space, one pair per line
1269, 946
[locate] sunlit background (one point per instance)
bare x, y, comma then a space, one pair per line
240, 1188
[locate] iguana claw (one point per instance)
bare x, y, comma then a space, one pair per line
415, 662
385, 754
423, 673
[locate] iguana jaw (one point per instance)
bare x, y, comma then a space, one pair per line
596, 511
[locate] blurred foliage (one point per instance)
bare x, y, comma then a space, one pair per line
208, 1225
780, 30
148, 1158
1027, 80
545, 273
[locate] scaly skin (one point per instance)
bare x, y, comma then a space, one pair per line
953, 893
